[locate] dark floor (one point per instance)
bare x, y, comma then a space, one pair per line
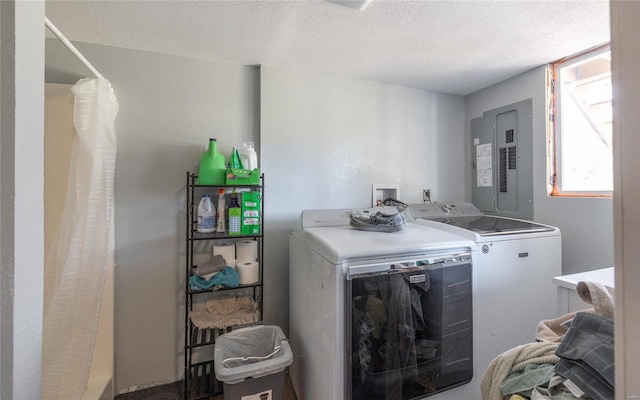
174, 391
171, 391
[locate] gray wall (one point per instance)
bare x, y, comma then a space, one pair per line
169, 107
586, 223
324, 141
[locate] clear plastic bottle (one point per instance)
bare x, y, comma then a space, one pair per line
248, 156
221, 214
206, 215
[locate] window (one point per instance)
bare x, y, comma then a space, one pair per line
581, 110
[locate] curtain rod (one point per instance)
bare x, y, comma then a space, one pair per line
71, 47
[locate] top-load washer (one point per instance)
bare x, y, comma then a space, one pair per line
377, 315
513, 267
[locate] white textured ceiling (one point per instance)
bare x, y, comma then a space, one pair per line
451, 46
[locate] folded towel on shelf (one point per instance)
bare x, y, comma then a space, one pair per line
208, 276
598, 295
230, 304
228, 277
214, 264
223, 312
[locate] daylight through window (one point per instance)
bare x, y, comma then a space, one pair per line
582, 162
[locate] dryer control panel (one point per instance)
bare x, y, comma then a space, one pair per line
444, 210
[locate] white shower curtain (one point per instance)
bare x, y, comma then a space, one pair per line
76, 270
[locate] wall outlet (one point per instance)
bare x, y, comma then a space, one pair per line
426, 195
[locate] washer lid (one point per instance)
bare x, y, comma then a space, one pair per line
487, 225
338, 244
444, 210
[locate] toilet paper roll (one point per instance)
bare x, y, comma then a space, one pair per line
226, 250
247, 250
248, 271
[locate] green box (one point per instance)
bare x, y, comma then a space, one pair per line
235, 176
250, 224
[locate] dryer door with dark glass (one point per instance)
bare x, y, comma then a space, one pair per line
409, 330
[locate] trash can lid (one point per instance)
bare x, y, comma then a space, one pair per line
251, 352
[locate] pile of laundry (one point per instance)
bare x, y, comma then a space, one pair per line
214, 274
572, 357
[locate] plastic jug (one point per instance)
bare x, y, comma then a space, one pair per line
206, 215
212, 166
248, 156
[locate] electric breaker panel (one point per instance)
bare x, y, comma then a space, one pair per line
507, 145
502, 164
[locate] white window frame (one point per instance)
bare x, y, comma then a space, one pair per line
555, 123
